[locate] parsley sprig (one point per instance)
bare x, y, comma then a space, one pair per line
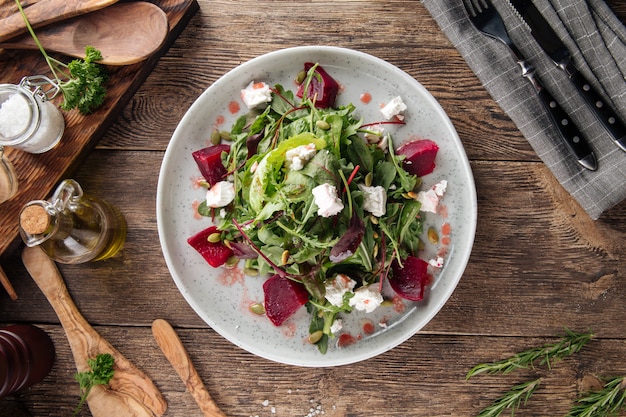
82, 81
570, 343
100, 374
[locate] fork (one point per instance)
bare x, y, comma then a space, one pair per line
488, 21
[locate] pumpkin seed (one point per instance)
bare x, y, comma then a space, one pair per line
285, 257
300, 77
251, 272
216, 138
231, 262
316, 336
257, 308
225, 135
214, 237
433, 236
322, 124
369, 179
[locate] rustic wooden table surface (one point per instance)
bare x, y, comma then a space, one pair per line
538, 264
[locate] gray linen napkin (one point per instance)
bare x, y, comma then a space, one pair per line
597, 41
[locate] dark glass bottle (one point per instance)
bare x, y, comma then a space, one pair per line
26, 357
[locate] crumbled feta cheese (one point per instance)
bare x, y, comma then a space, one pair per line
430, 199
375, 199
437, 263
298, 156
440, 188
255, 94
336, 326
220, 194
366, 299
337, 287
326, 199
394, 109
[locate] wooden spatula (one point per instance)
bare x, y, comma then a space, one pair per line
175, 352
125, 33
130, 392
48, 11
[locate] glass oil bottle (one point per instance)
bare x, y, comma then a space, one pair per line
73, 227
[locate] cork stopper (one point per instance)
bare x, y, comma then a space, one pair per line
34, 220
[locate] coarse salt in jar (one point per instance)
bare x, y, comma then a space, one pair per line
28, 121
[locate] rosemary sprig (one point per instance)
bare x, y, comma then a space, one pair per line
609, 401
570, 343
516, 396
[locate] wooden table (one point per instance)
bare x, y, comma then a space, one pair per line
539, 264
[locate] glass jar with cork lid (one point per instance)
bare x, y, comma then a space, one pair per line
73, 227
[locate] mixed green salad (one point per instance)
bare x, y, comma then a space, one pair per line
316, 203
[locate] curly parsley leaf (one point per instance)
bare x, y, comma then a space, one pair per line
82, 81
101, 373
85, 89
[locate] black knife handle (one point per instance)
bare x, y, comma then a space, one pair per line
603, 112
570, 134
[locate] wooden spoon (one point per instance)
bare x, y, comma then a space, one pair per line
125, 33
47, 11
130, 391
178, 356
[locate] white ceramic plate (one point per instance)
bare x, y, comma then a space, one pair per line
221, 297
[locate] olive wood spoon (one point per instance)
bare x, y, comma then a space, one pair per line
175, 352
130, 392
125, 33
47, 11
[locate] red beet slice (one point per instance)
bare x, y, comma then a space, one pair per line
216, 254
420, 156
209, 160
283, 297
409, 281
322, 85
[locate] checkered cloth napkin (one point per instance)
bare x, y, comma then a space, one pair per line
596, 38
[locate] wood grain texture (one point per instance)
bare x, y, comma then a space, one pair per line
43, 12
108, 30
130, 393
538, 263
39, 174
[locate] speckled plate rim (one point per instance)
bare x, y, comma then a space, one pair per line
221, 301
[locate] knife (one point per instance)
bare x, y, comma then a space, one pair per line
556, 50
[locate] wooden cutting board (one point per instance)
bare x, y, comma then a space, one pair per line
39, 174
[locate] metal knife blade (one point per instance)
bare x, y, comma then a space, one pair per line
560, 55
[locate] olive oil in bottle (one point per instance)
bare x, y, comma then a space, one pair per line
73, 227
